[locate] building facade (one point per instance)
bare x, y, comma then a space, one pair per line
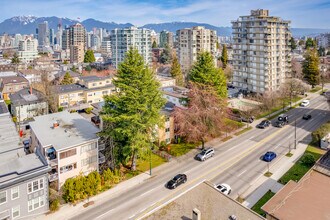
69, 144
24, 177
165, 38
124, 39
261, 58
192, 41
43, 34
28, 49
12, 84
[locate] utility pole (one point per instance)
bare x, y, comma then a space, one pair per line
295, 134
150, 160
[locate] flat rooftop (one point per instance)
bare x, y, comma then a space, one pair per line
73, 130
307, 199
212, 204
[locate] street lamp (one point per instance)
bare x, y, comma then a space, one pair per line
295, 133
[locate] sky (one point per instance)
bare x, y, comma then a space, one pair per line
302, 13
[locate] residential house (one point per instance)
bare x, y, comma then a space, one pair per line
89, 90
306, 199
176, 94
210, 203
69, 143
23, 177
32, 75
12, 84
60, 75
28, 103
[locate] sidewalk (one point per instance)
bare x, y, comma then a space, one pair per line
262, 184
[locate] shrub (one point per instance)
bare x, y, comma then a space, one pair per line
308, 159
54, 205
88, 68
60, 109
321, 132
88, 110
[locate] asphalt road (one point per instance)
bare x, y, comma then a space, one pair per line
236, 162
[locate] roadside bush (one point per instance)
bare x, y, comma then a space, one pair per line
88, 110
308, 159
321, 132
60, 109
54, 205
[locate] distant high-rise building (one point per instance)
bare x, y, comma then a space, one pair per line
43, 34
51, 36
192, 41
261, 58
165, 37
106, 48
74, 38
123, 39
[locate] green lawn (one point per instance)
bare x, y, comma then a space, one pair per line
177, 150
261, 202
243, 131
144, 165
233, 124
317, 88
298, 170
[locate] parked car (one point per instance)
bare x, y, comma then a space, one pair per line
304, 103
269, 156
263, 124
205, 154
282, 120
176, 181
224, 188
307, 116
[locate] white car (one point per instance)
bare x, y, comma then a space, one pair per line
304, 103
224, 188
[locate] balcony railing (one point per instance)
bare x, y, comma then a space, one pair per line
101, 158
101, 146
52, 177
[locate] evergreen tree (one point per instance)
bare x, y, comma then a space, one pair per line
310, 43
166, 56
15, 59
134, 111
224, 57
176, 72
67, 79
89, 57
311, 67
321, 51
154, 44
293, 44
205, 72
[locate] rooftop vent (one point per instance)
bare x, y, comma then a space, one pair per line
56, 124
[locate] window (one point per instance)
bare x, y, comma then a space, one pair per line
88, 147
68, 153
167, 130
36, 203
14, 192
89, 160
35, 185
15, 212
3, 197
67, 168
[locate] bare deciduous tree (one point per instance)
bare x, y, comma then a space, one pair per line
296, 69
293, 87
204, 117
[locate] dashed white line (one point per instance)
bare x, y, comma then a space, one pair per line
242, 173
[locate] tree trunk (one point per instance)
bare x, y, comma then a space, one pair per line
203, 144
133, 167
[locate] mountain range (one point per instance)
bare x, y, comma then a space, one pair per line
28, 25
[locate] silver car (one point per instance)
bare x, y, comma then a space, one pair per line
205, 154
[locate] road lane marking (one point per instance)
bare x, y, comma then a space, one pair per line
242, 173
143, 194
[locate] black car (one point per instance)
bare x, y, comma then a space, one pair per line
263, 124
307, 116
176, 181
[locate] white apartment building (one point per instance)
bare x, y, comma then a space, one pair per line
28, 49
68, 142
123, 39
106, 48
261, 58
192, 41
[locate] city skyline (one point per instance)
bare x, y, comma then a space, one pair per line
303, 14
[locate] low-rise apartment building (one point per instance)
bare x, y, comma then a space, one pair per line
12, 84
165, 133
28, 103
23, 177
69, 144
89, 90
176, 94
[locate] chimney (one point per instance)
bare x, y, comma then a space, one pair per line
196, 214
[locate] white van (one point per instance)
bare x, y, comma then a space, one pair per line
304, 103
